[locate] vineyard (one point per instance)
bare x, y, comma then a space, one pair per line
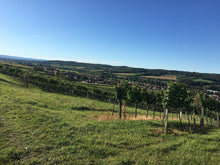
64, 116
38, 127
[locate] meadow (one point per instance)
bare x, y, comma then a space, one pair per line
37, 127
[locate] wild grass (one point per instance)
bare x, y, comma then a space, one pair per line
46, 128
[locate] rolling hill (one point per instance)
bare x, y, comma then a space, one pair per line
38, 127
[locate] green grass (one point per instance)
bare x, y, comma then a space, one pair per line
203, 80
44, 128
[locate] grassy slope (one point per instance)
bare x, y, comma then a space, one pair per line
43, 128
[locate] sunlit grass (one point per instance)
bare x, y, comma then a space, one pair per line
46, 128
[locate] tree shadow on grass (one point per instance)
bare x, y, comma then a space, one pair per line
85, 108
172, 125
155, 124
191, 129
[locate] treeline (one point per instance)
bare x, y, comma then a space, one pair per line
177, 98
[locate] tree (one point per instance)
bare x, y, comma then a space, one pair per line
135, 96
166, 104
207, 105
217, 109
198, 102
159, 98
177, 97
214, 106
188, 106
121, 94
154, 101
146, 97
152, 98
114, 102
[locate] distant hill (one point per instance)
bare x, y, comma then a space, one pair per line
102, 72
6, 57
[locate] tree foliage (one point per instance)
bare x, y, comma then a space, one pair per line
135, 96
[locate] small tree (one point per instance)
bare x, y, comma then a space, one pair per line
217, 109
188, 107
159, 98
177, 94
166, 104
147, 99
135, 96
153, 96
214, 107
198, 102
114, 102
121, 95
206, 105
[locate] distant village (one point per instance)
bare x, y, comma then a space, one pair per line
105, 80
100, 80
213, 94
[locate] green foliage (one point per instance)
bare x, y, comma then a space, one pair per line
176, 95
134, 94
211, 104
149, 97
121, 91
198, 100
159, 97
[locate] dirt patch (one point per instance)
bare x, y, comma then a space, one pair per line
115, 117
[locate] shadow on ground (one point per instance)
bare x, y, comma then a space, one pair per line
191, 129
85, 108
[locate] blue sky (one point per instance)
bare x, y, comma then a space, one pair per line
165, 34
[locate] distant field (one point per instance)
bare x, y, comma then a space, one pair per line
96, 70
202, 80
104, 87
164, 77
79, 67
125, 74
13, 64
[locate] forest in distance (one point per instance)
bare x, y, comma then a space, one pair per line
100, 114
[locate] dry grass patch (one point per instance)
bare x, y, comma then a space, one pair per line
125, 74
128, 117
164, 77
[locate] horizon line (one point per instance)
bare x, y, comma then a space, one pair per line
101, 63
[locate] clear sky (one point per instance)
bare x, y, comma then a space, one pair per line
165, 34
